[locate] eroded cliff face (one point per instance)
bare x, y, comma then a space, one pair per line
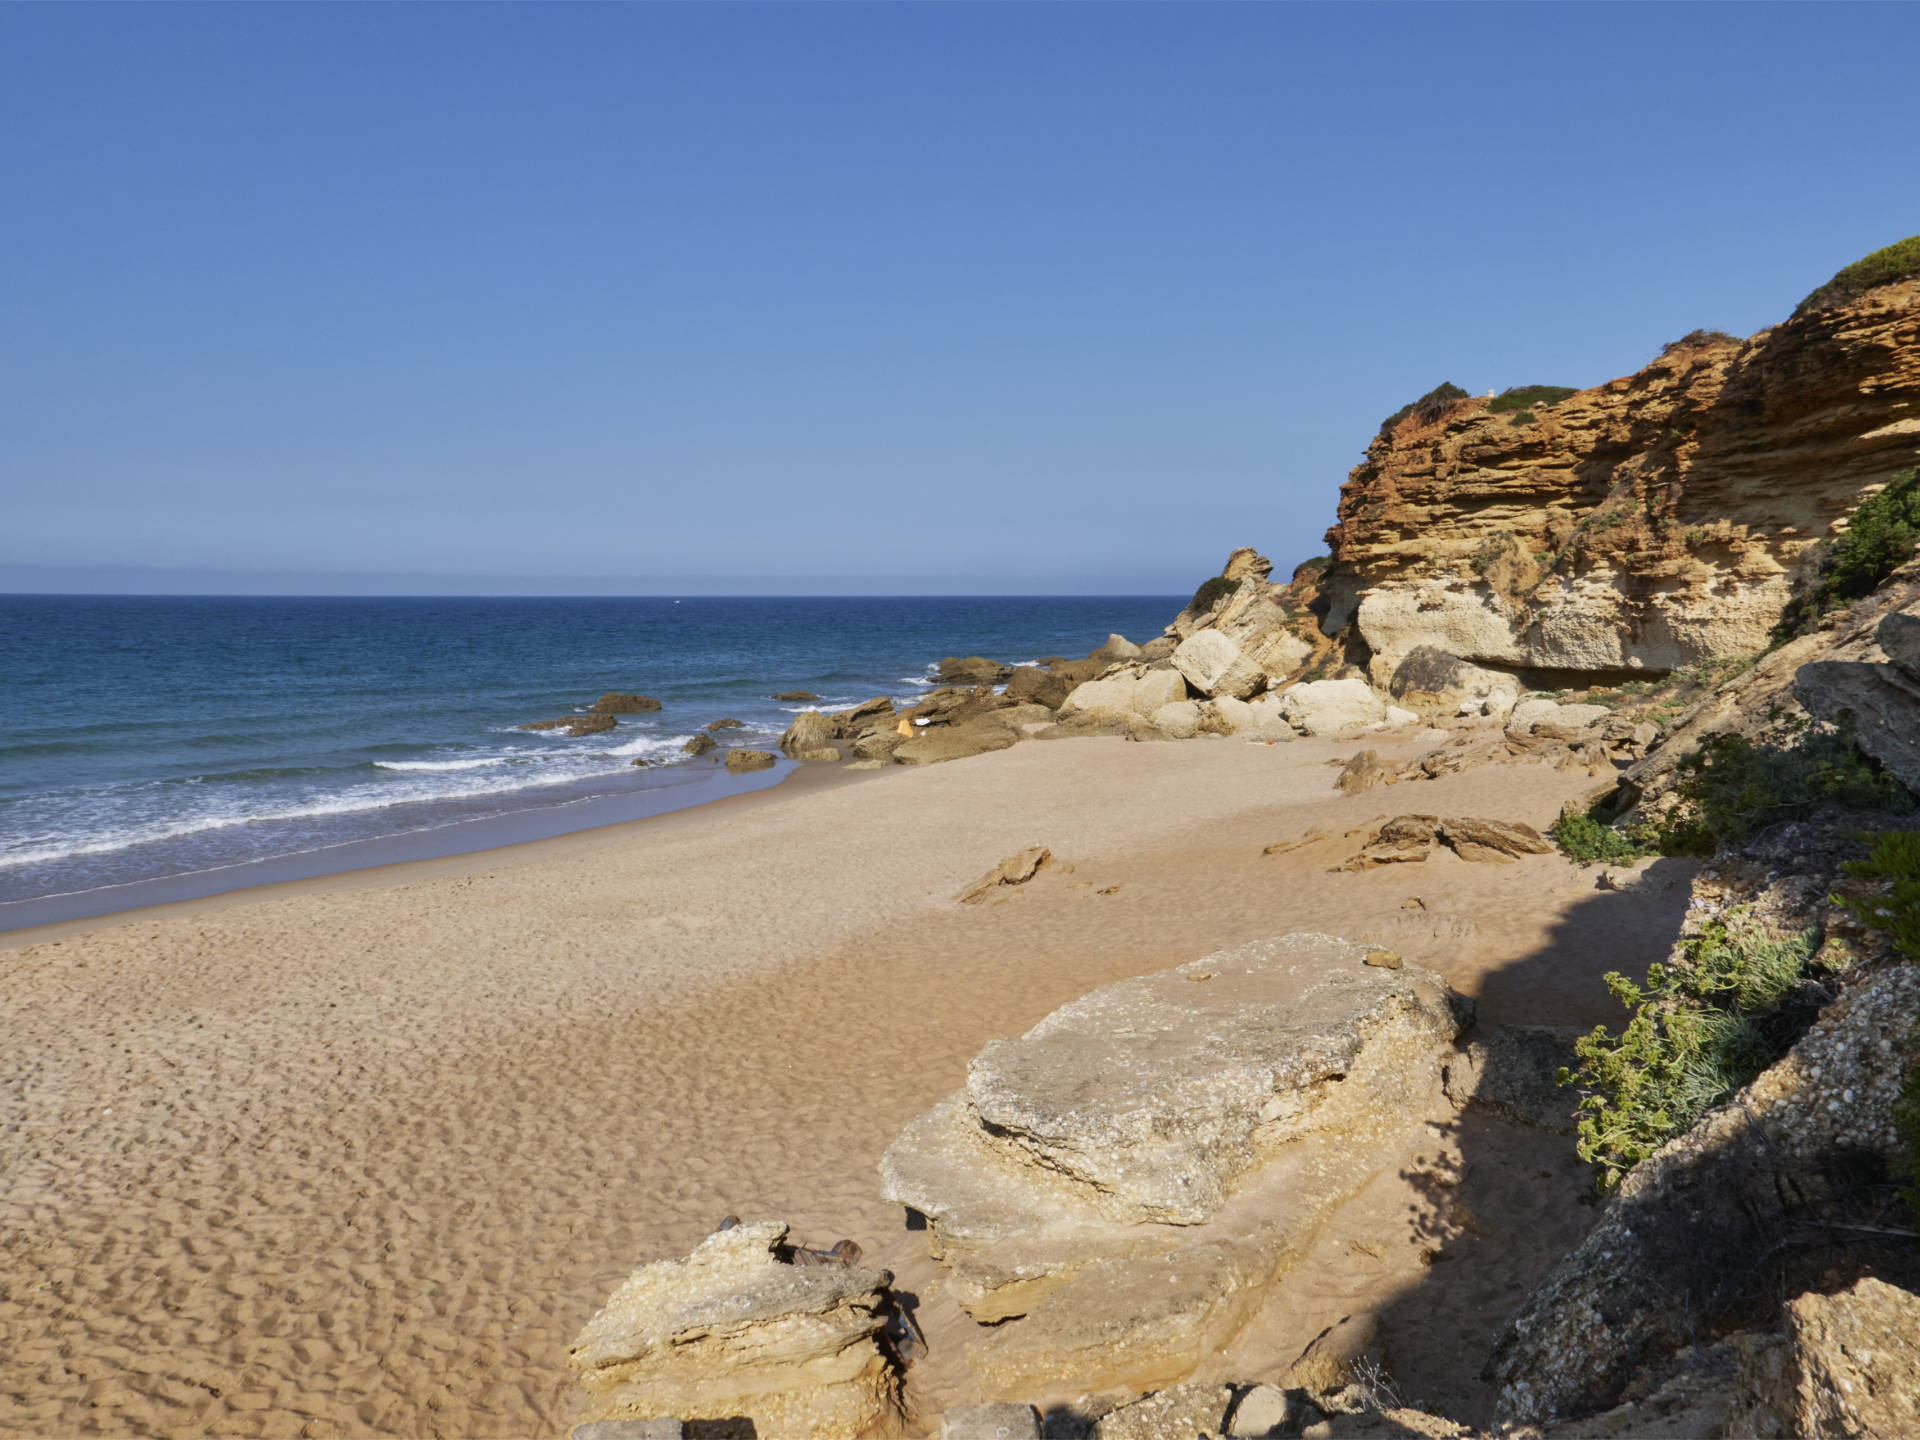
1648, 523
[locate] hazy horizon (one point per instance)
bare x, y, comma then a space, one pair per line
856, 300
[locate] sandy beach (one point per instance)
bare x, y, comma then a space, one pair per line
359, 1156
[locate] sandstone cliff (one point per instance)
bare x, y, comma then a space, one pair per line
1645, 524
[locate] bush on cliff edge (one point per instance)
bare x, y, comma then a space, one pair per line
1898, 261
1879, 539
1428, 408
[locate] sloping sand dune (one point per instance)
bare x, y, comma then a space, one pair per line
360, 1157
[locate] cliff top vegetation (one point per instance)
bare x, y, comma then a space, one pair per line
1896, 262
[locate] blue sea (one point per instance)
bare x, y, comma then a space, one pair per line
219, 737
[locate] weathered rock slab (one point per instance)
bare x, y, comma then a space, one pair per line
1846, 1364
1215, 666
1326, 707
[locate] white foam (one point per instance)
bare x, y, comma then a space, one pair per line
478, 764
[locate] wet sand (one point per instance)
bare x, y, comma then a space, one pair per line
360, 1155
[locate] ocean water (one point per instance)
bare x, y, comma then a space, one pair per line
152, 737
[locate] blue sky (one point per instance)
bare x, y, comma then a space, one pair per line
856, 299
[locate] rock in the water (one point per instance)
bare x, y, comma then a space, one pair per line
737, 1330
1214, 666
1002, 1420
1847, 1364
616, 702
700, 744
972, 670
1703, 1205
1030, 685
575, 725
1131, 1173
1326, 707
742, 759
1510, 1073
727, 723
810, 730
797, 697
1016, 869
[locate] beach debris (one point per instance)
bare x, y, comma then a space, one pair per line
744, 759
796, 697
744, 1328
1016, 869
1281, 847
700, 744
575, 725
726, 723
1126, 1220
616, 702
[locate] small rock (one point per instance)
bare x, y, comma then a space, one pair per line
1619, 877
1327, 1365
972, 670
825, 755
796, 697
1384, 959
1261, 1411
700, 744
575, 725
641, 763
1362, 773
743, 759
1002, 1420
729, 723
1016, 869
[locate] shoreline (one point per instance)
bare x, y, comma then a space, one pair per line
361, 1153
382, 865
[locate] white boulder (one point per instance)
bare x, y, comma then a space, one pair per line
1325, 707
1216, 666
1128, 694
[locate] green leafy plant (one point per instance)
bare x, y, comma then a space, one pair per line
1587, 840
1212, 591
1522, 417
1698, 1032
1525, 397
1880, 537
1732, 788
1694, 339
1898, 261
1428, 408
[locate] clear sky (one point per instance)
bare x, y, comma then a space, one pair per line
856, 298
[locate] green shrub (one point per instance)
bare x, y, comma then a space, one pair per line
1211, 591
1879, 539
1428, 408
1522, 417
1732, 788
1895, 858
1587, 840
1698, 1033
1694, 339
1898, 261
1523, 397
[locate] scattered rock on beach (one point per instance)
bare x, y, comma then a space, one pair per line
575, 725
1362, 773
743, 759
810, 730
738, 1330
1016, 869
1498, 841
616, 702
825, 755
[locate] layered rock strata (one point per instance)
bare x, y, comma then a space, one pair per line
1645, 524
738, 1330
1130, 1174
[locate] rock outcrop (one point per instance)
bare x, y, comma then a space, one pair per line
1130, 1174
1871, 685
1845, 1364
1645, 524
1327, 707
810, 730
616, 702
1700, 1208
1016, 869
575, 725
743, 759
971, 670
1243, 607
1129, 692
739, 1331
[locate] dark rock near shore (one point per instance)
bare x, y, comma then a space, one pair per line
1031, 685
744, 759
797, 697
616, 702
575, 725
972, 670
729, 723
700, 744
810, 731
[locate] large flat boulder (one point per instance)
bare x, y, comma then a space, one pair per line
1873, 688
1132, 1172
1844, 1364
1140, 694
738, 1329
1326, 707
